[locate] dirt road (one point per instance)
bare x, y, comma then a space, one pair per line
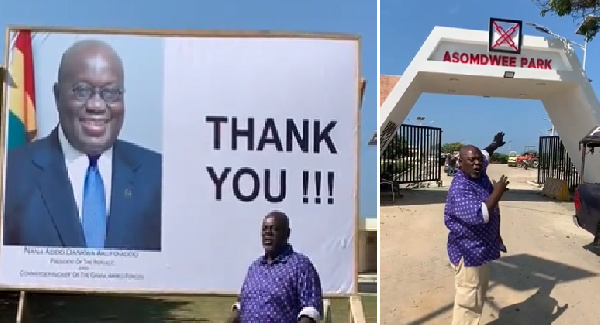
546, 277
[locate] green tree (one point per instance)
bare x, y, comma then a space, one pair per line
578, 9
499, 158
451, 147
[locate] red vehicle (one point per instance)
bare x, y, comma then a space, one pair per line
528, 159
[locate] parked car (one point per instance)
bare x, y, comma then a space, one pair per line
587, 195
512, 158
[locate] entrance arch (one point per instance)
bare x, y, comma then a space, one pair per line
459, 62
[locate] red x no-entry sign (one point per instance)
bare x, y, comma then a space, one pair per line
505, 35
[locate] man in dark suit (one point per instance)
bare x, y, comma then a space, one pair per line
80, 186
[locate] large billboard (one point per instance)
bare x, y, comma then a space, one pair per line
145, 161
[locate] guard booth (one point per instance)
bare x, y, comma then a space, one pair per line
367, 246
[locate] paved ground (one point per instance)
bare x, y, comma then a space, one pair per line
546, 277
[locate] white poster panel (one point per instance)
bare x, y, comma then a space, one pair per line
212, 133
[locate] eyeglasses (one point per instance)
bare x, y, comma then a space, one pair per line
110, 95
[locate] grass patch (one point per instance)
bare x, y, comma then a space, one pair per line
68, 308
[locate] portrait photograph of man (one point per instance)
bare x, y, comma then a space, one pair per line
92, 178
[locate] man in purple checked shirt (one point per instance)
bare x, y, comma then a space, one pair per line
473, 217
281, 286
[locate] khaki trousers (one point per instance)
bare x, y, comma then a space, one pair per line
471, 283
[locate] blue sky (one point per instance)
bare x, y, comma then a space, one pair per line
338, 16
406, 24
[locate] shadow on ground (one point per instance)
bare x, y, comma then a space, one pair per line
592, 249
521, 273
74, 308
435, 195
90, 308
8, 306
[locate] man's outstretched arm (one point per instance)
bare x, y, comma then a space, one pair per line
496, 143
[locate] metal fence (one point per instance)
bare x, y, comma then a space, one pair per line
554, 162
413, 155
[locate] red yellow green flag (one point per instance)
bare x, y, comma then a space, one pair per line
21, 94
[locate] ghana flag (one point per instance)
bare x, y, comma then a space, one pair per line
21, 95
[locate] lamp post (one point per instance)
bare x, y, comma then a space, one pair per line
508, 143
420, 119
552, 129
583, 31
580, 31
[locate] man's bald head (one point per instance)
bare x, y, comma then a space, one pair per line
275, 232
468, 148
98, 52
89, 96
280, 218
470, 160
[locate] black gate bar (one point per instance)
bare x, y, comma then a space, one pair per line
413, 155
554, 162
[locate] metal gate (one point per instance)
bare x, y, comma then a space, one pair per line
554, 162
413, 155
